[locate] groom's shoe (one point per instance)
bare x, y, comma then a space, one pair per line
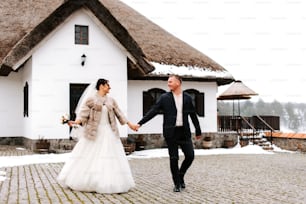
182, 183
177, 188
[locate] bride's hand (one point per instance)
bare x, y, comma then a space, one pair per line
71, 123
133, 126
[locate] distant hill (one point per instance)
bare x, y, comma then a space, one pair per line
292, 115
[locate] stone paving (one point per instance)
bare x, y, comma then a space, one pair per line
276, 178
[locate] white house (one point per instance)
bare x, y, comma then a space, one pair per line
42, 72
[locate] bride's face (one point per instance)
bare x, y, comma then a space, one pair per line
105, 88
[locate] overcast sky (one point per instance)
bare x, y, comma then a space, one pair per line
261, 42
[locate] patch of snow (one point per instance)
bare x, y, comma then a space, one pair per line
163, 69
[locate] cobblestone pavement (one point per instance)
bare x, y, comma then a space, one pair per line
276, 178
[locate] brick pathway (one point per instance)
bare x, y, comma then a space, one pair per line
277, 178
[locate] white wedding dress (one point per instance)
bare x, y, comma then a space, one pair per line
98, 165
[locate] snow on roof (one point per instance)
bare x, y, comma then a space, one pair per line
164, 69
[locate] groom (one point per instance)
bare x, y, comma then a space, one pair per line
176, 107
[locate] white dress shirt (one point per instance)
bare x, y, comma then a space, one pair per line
179, 107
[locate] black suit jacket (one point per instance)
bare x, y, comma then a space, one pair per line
166, 103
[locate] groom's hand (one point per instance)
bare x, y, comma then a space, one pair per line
137, 126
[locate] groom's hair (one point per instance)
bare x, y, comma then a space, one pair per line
176, 76
101, 81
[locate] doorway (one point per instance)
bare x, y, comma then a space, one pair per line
76, 91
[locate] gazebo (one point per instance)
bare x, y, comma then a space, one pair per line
237, 91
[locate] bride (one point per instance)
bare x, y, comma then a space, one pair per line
98, 162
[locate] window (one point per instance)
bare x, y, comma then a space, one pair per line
26, 100
81, 35
150, 97
197, 100
76, 91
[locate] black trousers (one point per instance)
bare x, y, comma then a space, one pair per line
179, 140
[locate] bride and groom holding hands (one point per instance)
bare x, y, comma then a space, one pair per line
98, 162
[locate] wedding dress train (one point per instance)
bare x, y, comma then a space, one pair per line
98, 165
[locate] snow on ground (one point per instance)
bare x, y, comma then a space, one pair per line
10, 161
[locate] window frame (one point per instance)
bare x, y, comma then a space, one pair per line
198, 101
81, 34
149, 98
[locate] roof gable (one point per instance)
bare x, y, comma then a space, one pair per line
145, 41
31, 39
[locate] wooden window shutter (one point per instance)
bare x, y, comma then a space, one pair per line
200, 104
150, 97
197, 100
26, 100
147, 102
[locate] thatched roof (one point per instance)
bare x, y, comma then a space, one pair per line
237, 90
145, 41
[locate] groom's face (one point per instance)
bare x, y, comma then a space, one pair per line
173, 83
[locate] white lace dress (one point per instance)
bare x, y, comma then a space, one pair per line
98, 165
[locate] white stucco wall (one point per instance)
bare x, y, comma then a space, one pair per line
57, 63
11, 106
135, 88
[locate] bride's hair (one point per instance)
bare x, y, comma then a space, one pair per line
90, 91
101, 81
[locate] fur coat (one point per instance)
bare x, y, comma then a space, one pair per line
90, 115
